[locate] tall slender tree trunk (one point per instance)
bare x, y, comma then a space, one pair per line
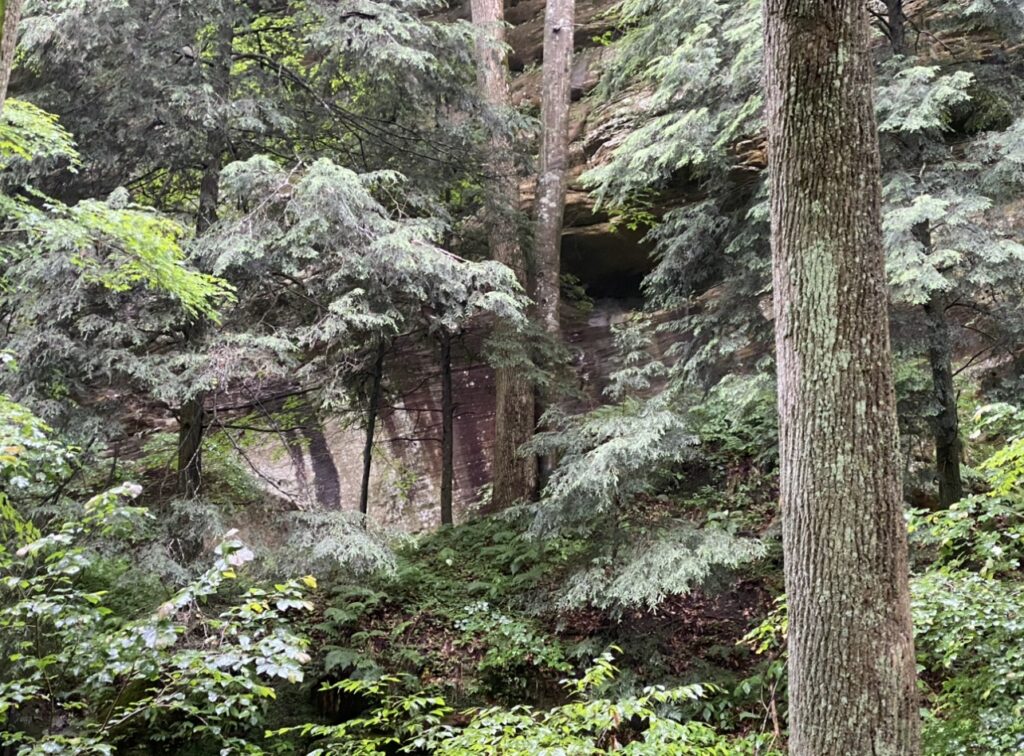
447, 429
10, 17
554, 159
514, 476
851, 667
946, 423
897, 27
191, 416
552, 178
373, 405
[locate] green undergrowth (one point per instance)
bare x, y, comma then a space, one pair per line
462, 610
471, 614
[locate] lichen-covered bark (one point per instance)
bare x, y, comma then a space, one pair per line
554, 158
514, 477
851, 668
10, 13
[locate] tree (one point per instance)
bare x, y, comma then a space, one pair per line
86, 286
702, 63
10, 16
372, 408
191, 414
943, 250
852, 666
945, 422
514, 476
554, 158
552, 178
236, 79
447, 428
360, 276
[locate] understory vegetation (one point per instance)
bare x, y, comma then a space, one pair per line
259, 307
482, 638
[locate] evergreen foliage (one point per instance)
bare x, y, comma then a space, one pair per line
274, 214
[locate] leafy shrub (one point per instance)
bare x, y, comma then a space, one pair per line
77, 676
31, 464
675, 560
645, 725
612, 462
79, 679
607, 458
984, 532
514, 651
970, 642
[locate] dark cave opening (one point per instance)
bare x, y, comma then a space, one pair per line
610, 264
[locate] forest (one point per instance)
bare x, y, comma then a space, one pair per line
540, 377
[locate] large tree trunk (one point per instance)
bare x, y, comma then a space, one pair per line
447, 429
191, 416
851, 667
10, 13
514, 476
554, 159
373, 405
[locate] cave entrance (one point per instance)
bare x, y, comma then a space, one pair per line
610, 264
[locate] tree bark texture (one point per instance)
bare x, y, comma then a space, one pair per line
514, 477
851, 666
554, 159
447, 429
372, 407
191, 416
10, 12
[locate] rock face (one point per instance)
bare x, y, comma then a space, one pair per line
321, 467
